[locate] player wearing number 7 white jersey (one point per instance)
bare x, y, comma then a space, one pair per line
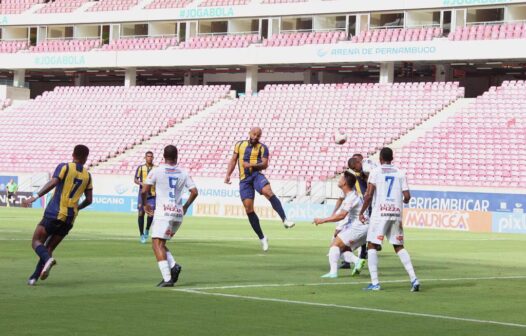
170, 181
388, 191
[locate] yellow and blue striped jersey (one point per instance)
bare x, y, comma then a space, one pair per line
142, 173
251, 154
361, 182
74, 180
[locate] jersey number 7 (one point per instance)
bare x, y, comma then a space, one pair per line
390, 180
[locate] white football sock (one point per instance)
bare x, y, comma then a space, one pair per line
334, 256
170, 258
165, 270
406, 261
347, 256
354, 259
372, 263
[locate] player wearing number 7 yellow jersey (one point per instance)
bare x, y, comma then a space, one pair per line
70, 181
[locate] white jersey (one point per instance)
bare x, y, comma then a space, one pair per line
352, 204
368, 165
170, 183
390, 182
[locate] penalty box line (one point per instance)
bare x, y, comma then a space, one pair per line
374, 310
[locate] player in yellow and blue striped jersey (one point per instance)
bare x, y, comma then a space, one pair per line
71, 181
252, 157
140, 176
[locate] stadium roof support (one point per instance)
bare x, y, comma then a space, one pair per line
130, 77
387, 72
19, 77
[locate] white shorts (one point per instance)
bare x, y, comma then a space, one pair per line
165, 228
390, 228
354, 236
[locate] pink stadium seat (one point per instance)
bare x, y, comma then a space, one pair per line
141, 43
13, 46
220, 41
61, 6
17, 6
113, 5
66, 45
398, 35
213, 3
161, 4
114, 120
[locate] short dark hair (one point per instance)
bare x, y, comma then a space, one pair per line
350, 179
386, 154
148, 152
358, 154
81, 152
170, 153
352, 161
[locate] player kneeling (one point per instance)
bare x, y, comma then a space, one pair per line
353, 232
169, 181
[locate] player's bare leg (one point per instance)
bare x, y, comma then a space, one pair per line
276, 205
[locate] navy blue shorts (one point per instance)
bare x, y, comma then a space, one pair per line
251, 183
57, 227
150, 200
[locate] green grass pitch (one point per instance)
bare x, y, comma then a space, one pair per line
104, 283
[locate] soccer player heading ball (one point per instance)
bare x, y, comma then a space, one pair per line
252, 157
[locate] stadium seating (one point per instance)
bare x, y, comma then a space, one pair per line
298, 124
483, 145
220, 41
273, 2
66, 45
113, 5
398, 35
212, 3
302, 38
141, 43
160, 4
17, 6
13, 46
107, 119
61, 6
490, 32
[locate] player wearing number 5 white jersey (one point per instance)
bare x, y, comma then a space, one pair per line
170, 181
388, 191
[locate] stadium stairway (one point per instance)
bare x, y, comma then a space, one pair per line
153, 143
428, 124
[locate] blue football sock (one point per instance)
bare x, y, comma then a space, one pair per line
38, 270
276, 205
254, 222
43, 253
141, 224
149, 221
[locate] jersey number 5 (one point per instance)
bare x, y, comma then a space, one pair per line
173, 184
390, 180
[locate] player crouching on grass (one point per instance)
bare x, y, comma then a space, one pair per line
169, 181
353, 232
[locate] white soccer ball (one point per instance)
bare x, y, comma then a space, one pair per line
340, 137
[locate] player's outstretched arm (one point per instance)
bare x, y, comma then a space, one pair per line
231, 167
331, 219
339, 202
50, 185
407, 196
193, 195
88, 193
145, 190
368, 198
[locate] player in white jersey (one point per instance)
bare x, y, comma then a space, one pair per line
352, 232
170, 181
388, 191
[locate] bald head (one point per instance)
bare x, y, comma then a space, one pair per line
355, 164
255, 134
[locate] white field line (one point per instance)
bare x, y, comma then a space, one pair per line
375, 310
511, 277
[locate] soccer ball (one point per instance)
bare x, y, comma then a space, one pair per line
340, 137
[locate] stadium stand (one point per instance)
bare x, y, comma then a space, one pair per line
66, 45
161, 4
13, 46
490, 32
302, 38
482, 145
61, 6
17, 6
298, 123
141, 43
220, 41
273, 2
398, 35
211, 3
107, 119
113, 5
